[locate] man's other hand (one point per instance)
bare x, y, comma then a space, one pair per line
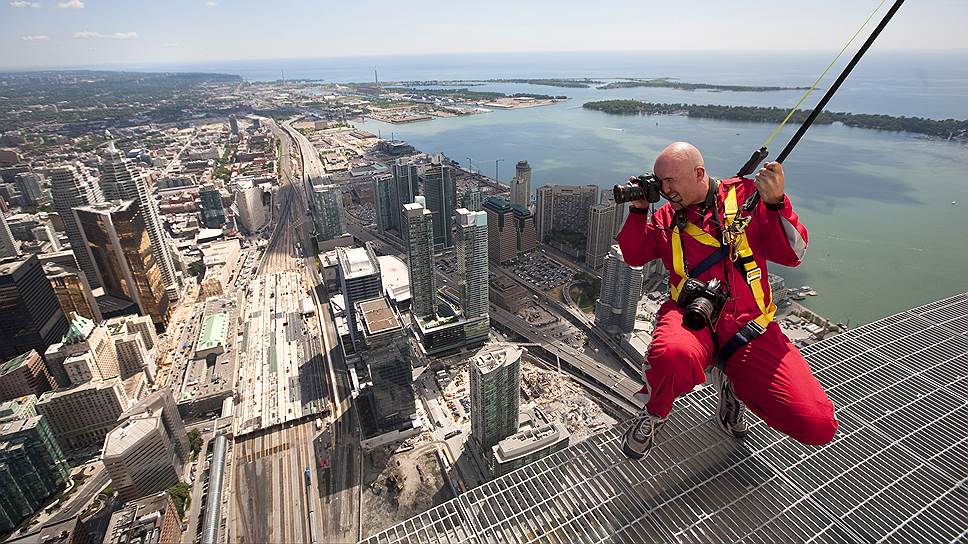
641, 203
769, 182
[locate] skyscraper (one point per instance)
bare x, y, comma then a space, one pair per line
441, 194
71, 186
473, 200
621, 289
359, 280
24, 375
32, 468
420, 257
120, 180
564, 208
30, 316
117, 239
495, 384
521, 184
601, 222
404, 189
510, 230
384, 190
472, 268
253, 212
210, 203
8, 246
328, 214
388, 356
29, 184
73, 291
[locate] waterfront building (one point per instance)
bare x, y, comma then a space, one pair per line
25, 374
510, 230
32, 468
387, 354
328, 212
8, 245
120, 180
472, 268
210, 204
620, 293
30, 316
117, 240
441, 194
359, 280
601, 224
495, 391
521, 185
564, 208
420, 258
81, 416
147, 520
72, 186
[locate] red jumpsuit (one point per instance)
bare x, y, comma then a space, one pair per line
768, 374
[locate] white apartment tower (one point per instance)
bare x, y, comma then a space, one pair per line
621, 289
472, 261
601, 223
420, 257
71, 187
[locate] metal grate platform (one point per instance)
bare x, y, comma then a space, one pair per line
896, 471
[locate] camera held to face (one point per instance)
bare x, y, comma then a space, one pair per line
702, 303
646, 186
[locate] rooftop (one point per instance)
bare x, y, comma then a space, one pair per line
378, 316
213, 331
129, 433
355, 262
16, 362
529, 441
493, 356
895, 470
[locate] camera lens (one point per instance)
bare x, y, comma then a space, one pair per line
698, 314
627, 193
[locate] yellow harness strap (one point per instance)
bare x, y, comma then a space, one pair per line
744, 257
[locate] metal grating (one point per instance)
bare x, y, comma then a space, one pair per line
896, 471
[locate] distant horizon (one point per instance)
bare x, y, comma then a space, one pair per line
775, 53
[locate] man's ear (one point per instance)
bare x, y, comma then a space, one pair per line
700, 172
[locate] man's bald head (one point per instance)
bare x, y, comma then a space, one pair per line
682, 171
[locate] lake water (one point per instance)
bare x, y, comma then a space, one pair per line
884, 235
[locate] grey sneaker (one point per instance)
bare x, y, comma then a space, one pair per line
731, 412
640, 437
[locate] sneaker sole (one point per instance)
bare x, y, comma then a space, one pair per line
629, 452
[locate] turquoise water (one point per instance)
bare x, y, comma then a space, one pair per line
883, 234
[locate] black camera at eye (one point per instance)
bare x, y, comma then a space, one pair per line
646, 186
702, 303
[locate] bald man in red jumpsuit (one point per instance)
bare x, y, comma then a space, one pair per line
766, 373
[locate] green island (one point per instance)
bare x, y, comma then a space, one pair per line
946, 129
465, 94
573, 83
669, 83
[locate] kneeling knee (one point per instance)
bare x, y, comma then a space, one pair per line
818, 432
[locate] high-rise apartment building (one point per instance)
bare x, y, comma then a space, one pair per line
473, 200
32, 468
120, 180
441, 194
511, 230
8, 245
420, 259
210, 203
521, 184
72, 186
404, 189
472, 268
601, 225
73, 291
81, 416
147, 520
24, 375
495, 388
329, 211
359, 280
384, 191
621, 211
117, 239
30, 187
564, 208
387, 353
30, 316
621, 290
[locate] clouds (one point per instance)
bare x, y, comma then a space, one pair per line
35, 38
71, 4
22, 4
87, 35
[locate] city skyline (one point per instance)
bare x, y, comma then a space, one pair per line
50, 34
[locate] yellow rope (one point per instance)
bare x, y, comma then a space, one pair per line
815, 83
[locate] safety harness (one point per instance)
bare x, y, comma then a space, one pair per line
739, 253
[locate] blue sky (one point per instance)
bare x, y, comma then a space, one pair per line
63, 33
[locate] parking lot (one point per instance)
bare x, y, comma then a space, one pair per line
540, 271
